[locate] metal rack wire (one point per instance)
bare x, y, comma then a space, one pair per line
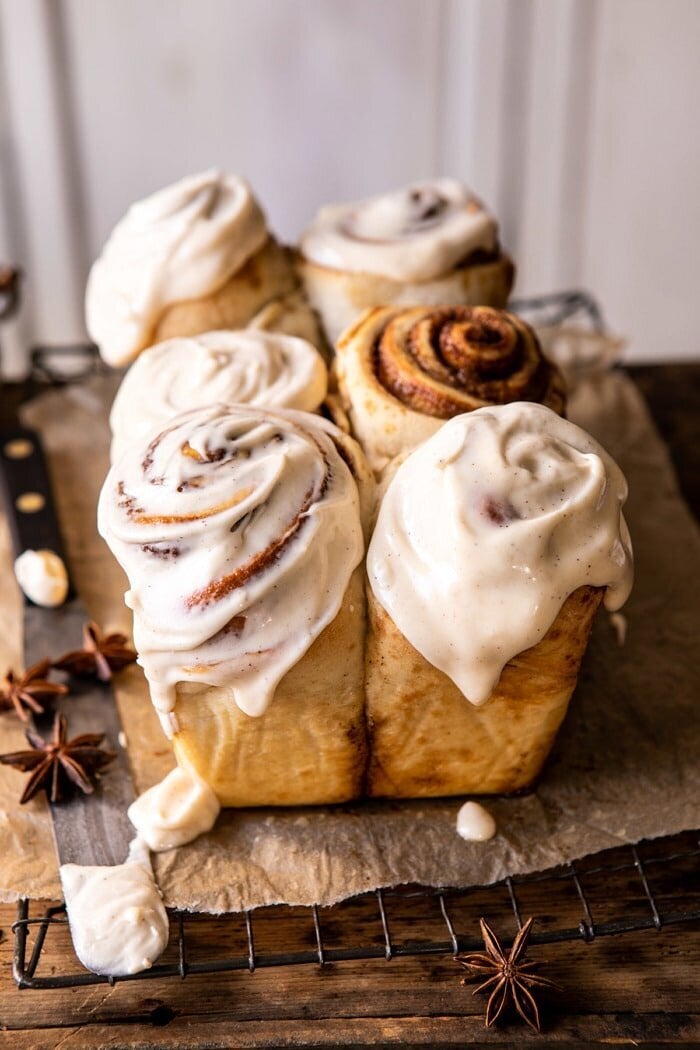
658, 886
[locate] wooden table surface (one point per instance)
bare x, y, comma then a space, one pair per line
639, 988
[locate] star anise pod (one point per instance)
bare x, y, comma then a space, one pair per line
30, 692
509, 978
57, 764
101, 654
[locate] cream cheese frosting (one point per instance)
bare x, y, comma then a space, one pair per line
413, 234
487, 528
475, 823
117, 920
239, 529
174, 811
265, 369
181, 243
43, 577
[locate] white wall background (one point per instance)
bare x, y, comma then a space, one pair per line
575, 119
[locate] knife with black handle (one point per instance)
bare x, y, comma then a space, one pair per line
88, 829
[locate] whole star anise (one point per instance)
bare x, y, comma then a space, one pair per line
509, 977
30, 691
101, 654
57, 763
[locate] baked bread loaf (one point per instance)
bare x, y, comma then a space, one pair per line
260, 368
241, 532
402, 372
429, 243
194, 257
495, 542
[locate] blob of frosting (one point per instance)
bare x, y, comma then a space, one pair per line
416, 233
43, 577
265, 369
486, 529
183, 242
174, 811
117, 920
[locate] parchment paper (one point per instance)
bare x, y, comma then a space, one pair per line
625, 766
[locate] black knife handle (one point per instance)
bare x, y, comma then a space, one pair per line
26, 491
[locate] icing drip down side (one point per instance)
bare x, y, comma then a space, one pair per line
412, 234
239, 530
487, 528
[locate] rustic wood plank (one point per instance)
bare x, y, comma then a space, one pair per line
574, 1033
651, 973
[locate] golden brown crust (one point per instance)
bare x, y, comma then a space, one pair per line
267, 275
341, 296
309, 747
426, 739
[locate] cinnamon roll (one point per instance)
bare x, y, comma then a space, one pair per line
191, 258
402, 372
292, 315
495, 543
249, 367
240, 530
431, 242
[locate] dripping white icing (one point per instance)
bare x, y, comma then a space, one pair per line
175, 811
181, 243
487, 528
117, 920
265, 369
413, 234
43, 577
188, 518
475, 823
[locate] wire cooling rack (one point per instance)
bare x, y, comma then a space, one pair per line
648, 886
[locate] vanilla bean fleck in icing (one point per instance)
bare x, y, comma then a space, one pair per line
117, 920
265, 369
183, 242
239, 529
412, 234
486, 529
174, 811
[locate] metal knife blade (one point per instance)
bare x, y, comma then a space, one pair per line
88, 829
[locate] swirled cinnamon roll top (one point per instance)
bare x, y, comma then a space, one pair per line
239, 529
251, 367
447, 360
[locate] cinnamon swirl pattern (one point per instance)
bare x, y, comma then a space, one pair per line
258, 368
239, 530
431, 242
402, 373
